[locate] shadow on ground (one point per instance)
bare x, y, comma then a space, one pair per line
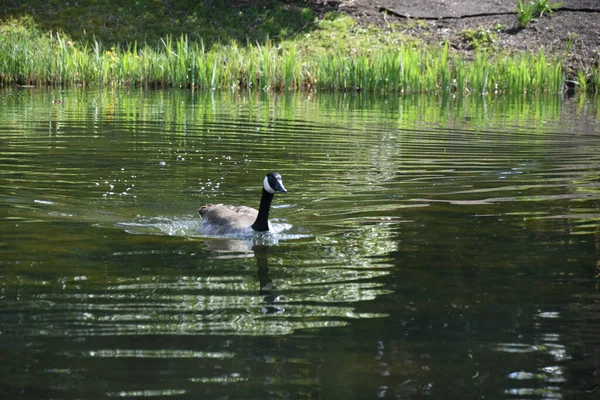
216, 21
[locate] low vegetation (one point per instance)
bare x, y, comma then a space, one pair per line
527, 10
334, 54
479, 39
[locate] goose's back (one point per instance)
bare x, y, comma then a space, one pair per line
224, 218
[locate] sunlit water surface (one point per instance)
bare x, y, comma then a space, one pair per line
427, 247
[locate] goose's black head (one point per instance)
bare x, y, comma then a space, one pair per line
273, 183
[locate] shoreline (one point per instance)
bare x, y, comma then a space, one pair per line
333, 46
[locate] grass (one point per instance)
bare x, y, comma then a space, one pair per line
338, 55
527, 10
149, 21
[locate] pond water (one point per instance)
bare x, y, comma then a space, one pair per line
426, 248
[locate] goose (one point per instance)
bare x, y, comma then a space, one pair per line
219, 219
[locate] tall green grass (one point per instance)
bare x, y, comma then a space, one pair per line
27, 58
527, 10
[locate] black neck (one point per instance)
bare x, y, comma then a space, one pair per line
262, 220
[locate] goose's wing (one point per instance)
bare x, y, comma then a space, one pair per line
226, 217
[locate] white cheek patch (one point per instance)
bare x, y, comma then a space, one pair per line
268, 187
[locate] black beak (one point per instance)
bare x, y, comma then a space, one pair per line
280, 187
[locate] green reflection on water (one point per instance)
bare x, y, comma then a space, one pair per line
433, 237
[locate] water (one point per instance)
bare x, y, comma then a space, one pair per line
427, 247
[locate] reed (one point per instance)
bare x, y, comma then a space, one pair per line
27, 58
527, 10
595, 80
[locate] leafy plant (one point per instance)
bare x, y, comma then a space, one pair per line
480, 39
525, 12
528, 10
544, 6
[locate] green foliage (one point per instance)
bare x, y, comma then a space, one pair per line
595, 80
525, 12
570, 42
530, 9
480, 39
588, 79
340, 55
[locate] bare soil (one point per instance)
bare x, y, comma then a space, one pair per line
576, 22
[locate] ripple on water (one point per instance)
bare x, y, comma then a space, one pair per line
408, 216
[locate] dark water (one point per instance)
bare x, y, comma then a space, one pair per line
427, 248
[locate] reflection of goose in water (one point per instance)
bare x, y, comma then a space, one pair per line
238, 248
218, 219
262, 262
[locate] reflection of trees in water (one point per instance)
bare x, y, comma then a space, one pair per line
313, 284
